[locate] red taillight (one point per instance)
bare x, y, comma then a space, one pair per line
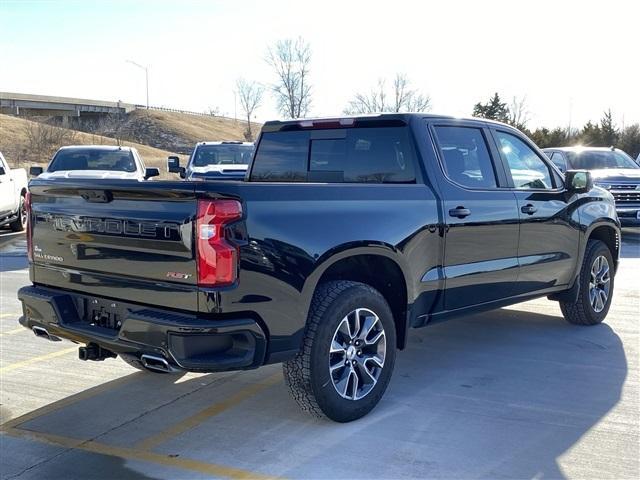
217, 259
27, 205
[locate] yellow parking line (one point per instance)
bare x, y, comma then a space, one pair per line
196, 419
133, 454
7, 315
41, 358
13, 332
67, 401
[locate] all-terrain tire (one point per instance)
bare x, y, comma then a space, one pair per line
308, 376
582, 312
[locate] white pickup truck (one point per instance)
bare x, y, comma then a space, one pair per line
106, 162
13, 190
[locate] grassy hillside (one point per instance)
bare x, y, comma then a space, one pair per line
173, 131
26, 143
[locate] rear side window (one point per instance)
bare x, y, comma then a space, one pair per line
466, 156
93, 159
358, 155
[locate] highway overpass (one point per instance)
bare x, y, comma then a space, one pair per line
26, 104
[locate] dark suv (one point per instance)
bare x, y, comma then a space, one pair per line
611, 169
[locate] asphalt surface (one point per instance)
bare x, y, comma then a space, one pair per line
514, 393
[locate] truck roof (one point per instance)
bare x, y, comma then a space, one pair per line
392, 119
226, 142
580, 148
97, 147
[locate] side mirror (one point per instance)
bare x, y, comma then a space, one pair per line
2, 172
578, 181
151, 172
173, 164
35, 171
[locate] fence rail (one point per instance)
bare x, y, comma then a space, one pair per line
188, 112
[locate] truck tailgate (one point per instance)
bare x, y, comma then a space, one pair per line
126, 240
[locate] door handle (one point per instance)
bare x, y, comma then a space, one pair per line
529, 209
459, 212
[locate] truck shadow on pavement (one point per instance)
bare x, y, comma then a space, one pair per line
502, 394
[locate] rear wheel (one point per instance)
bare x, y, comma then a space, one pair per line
596, 287
20, 223
348, 354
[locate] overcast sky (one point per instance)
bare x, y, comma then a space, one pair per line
571, 59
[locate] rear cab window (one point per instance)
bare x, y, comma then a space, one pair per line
351, 155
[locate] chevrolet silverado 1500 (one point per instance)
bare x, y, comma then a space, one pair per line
347, 234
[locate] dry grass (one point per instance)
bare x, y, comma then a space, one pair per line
196, 128
17, 145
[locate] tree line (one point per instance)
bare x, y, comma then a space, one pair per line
604, 133
290, 62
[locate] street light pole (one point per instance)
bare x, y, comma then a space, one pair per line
146, 77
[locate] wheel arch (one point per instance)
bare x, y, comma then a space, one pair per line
379, 266
609, 234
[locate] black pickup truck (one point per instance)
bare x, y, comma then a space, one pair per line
346, 234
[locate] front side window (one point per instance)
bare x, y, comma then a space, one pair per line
466, 156
528, 170
93, 159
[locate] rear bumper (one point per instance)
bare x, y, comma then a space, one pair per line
186, 342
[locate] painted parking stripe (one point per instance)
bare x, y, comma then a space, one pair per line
25, 363
134, 454
9, 315
215, 409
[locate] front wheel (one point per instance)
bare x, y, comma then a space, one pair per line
348, 353
596, 287
20, 223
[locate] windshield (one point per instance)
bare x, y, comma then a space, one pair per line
222, 155
93, 159
596, 159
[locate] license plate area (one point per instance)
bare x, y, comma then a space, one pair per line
102, 314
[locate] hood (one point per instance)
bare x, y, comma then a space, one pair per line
631, 175
97, 174
238, 169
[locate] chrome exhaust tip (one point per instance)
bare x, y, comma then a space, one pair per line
158, 364
43, 333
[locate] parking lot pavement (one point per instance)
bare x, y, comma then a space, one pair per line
514, 393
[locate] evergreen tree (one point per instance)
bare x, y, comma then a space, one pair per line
629, 140
495, 109
608, 132
591, 135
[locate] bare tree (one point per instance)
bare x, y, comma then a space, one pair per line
518, 114
44, 139
290, 60
250, 94
403, 99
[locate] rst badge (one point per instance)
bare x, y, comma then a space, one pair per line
178, 275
